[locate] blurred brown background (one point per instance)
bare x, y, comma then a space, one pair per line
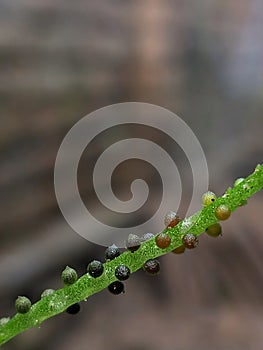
203, 60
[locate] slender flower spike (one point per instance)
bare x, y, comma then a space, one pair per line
128, 262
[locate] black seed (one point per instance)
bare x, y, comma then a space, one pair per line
133, 242
152, 266
116, 287
112, 252
73, 309
122, 272
95, 268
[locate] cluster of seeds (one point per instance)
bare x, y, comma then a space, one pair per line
122, 272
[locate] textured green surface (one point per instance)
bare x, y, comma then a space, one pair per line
86, 285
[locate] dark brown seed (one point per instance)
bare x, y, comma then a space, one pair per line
190, 241
162, 240
171, 219
152, 267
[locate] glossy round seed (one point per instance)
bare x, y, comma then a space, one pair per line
179, 250
190, 241
112, 252
171, 219
116, 287
47, 292
95, 268
122, 272
145, 237
238, 181
222, 212
22, 304
152, 267
208, 198
69, 276
73, 309
214, 230
162, 240
133, 242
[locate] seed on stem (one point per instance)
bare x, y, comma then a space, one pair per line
190, 241
162, 240
222, 212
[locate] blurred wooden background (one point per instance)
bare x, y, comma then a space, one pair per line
60, 60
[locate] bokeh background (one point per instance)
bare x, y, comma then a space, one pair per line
60, 60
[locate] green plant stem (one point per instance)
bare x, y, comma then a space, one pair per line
86, 285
